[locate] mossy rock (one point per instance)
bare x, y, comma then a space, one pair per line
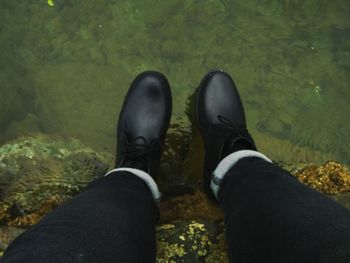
191, 241
39, 173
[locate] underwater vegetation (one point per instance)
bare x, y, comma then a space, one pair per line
290, 61
39, 173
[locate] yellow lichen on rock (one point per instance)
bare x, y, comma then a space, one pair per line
330, 178
198, 235
191, 241
166, 226
167, 251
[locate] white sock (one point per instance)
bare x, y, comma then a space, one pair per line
152, 186
227, 163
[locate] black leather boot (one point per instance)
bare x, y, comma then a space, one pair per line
143, 122
221, 121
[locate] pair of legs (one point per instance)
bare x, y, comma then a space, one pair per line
269, 215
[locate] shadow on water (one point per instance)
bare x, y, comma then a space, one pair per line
183, 154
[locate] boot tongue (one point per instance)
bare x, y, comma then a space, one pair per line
234, 144
140, 142
137, 164
141, 162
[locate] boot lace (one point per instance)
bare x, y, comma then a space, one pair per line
227, 125
136, 150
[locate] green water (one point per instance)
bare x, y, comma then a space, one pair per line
65, 70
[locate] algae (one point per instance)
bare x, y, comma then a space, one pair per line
65, 71
288, 59
38, 173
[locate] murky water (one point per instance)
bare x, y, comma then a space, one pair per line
65, 70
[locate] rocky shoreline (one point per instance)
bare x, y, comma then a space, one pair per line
39, 173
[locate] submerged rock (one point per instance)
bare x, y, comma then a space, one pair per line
38, 173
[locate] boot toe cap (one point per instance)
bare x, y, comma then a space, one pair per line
147, 106
218, 95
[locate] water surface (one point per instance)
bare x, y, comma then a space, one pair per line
65, 70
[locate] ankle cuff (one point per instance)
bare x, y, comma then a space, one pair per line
227, 163
151, 184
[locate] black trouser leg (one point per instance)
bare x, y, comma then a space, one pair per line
271, 217
113, 220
